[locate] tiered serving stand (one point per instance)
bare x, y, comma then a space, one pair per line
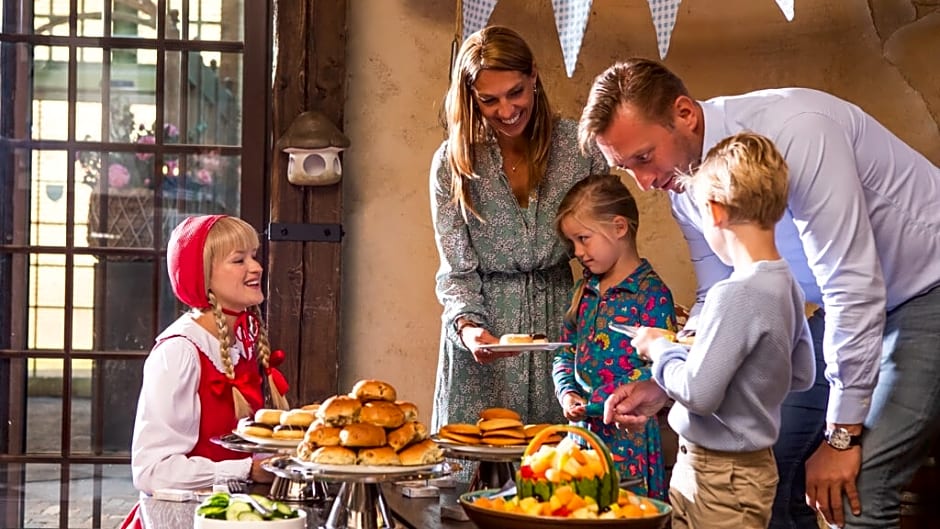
494, 464
360, 503
283, 488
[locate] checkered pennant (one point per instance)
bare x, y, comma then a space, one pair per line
571, 18
664, 19
787, 7
476, 14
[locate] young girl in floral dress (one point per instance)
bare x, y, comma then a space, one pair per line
599, 218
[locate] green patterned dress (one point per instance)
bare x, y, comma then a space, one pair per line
509, 273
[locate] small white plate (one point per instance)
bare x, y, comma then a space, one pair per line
629, 330
269, 441
518, 348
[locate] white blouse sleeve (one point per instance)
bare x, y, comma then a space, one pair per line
167, 425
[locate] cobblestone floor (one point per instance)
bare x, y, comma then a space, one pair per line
35, 504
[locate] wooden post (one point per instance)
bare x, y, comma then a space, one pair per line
304, 283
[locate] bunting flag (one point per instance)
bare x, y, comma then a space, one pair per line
664, 19
571, 18
787, 7
476, 14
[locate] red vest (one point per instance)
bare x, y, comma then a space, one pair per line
217, 414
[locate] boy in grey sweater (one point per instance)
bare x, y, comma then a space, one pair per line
752, 346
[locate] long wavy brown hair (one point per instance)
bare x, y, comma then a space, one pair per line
491, 48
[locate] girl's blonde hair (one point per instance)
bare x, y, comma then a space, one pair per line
747, 175
596, 201
491, 48
227, 235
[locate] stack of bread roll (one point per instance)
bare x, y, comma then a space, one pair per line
369, 426
496, 427
279, 424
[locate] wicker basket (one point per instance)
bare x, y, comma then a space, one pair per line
125, 217
121, 217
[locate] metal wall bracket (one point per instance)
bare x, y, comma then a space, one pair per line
280, 231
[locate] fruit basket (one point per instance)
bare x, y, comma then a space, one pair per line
565, 487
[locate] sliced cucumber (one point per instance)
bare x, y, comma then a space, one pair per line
265, 502
217, 499
284, 511
235, 509
250, 516
211, 511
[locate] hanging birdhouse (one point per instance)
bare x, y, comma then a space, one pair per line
313, 143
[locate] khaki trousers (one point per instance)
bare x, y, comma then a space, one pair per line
711, 489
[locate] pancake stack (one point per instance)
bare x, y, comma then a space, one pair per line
496, 427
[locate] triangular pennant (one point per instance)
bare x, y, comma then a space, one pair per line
787, 7
664, 19
571, 18
476, 14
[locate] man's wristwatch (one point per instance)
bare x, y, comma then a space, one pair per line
841, 439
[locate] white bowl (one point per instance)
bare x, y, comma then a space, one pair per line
290, 523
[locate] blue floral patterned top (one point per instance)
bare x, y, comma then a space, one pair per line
600, 360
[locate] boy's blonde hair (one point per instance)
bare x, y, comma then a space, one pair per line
595, 201
747, 175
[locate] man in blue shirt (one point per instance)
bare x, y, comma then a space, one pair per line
862, 237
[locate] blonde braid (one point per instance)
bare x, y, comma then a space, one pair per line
262, 344
242, 408
264, 356
225, 338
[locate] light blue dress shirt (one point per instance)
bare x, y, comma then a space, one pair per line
861, 233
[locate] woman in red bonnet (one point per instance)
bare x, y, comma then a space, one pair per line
211, 366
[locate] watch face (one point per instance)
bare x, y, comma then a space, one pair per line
840, 439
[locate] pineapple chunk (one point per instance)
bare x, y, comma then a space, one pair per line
530, 506
571, 466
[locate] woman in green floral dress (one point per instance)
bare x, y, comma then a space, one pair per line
496, 183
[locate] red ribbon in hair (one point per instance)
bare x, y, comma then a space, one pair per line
278, 379
276, 358
246, 327
247, 382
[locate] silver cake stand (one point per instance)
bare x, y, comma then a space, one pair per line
283, 488
494, 464
360, 503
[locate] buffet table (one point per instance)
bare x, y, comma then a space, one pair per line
413, 513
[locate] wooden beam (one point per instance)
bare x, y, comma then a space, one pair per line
304, 277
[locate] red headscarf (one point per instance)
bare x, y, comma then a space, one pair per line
184, 255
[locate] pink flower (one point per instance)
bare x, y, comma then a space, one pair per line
147, 140
204, 177
118, 176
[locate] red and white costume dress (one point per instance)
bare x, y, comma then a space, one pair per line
185, 400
